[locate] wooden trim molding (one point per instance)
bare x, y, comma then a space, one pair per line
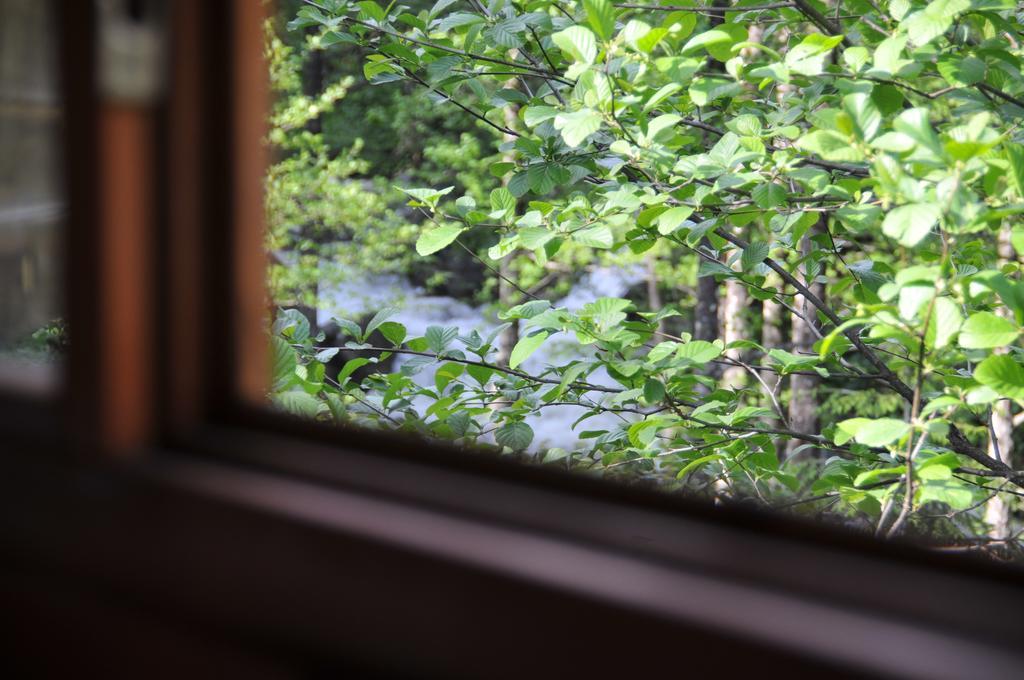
250, 106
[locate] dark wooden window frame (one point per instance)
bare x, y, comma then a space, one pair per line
154, 479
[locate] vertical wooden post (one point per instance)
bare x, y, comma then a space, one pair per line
126, 395
249, 162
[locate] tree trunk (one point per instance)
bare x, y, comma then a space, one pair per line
771, 330
803, 402
733, 323
705, 310
653, 294
1000, 445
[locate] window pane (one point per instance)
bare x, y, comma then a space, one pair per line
31, 332
721, 254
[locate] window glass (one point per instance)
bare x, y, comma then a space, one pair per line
751, 255
31, 209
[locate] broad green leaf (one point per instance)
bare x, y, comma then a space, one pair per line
867, 119
325, 355
929, 23
503, 203
961, 71
1015, 156
808, 56
1002, 374
654, 391
872, 432
516, 436
438, 238
393, 331
298, 402
910, 224
350, 367
983, 330
954, 493
577, 42
699, 351
830, 145
439, 337
946, 322
768, 195
601, 17
598, 236
753, 255
535, 115
525, 347
698, 463
283, 363
578, 125
673, 218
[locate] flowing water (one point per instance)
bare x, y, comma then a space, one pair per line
364, 295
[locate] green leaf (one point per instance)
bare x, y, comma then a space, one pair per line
915, 124
436, 239
1015, 156
697, 463
598, 236
525, 347
439, 337
983, 330
672, 219
945, 323
325, 355
350, 367
872, 432
299, 403
481, 374
393, 331
830, 145
954, 493
925, 25
753, 255
909, 224
601, 17
654, 391
808, 57
1002, 374
516, 436
283, 363
578, 42
535, 115
578, 125
698, 351
867, 119
768, 195
717, 42
961, 71
503, 203
292, 324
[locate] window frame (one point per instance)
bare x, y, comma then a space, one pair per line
167, 458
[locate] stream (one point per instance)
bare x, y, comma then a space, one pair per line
367, 293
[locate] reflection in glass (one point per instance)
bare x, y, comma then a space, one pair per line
31, 332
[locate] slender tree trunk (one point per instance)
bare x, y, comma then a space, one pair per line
653, 294
733, 323
771, 330
803, 402
705, 311
1000, 445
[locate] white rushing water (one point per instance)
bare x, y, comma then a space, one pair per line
365, 294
